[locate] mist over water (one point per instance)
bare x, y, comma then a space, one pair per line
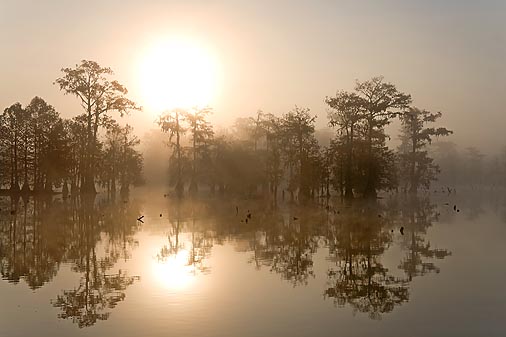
239, 168
87, 267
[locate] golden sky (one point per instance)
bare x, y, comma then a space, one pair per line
269, 55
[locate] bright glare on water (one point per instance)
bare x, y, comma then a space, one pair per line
203, 268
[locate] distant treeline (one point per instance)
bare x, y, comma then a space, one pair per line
39, 150
469, 167
266, 154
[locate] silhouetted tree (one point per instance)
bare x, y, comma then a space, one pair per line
120, 161
49, 144
76, 140
99, 97
416, 167
258, 128
201, 134
274, 151
382, 102
33, 146
298, 140
12, 139
171, 123
347, 116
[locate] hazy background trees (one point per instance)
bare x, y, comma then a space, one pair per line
468, 167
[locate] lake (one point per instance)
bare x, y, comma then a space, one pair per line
401, 266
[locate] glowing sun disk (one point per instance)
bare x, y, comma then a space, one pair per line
178, 73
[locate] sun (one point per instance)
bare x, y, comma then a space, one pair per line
178, 73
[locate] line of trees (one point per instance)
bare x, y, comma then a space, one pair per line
273, 147
40, 150
267, 153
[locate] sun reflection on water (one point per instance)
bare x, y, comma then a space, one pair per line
173, 272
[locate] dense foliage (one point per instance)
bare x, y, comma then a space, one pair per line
263, 155
282, 157
39, 150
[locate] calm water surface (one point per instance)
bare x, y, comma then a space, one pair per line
204, 268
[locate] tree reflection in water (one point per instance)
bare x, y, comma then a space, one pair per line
286, 242
197, 245
96, 295
417, 215
91, 235
31, 247
358, 237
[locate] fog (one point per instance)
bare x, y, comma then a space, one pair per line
449, 55
252, 168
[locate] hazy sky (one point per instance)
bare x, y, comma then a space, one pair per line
450, 55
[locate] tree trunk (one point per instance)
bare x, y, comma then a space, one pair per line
26, 187
348, 189
412, 176
179, 183
65, 189
370, 187
15, 185
113, 187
